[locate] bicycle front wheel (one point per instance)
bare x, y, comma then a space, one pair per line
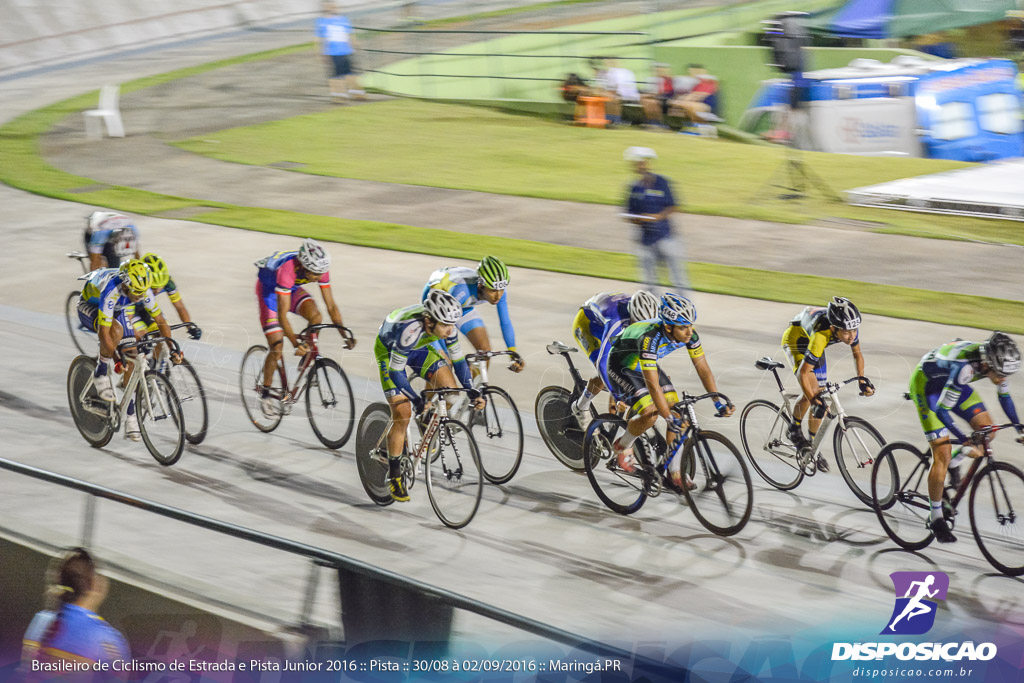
899, 494
764, 432
372, 453
558, 427
329, 403
192, 397
723, 496
250, 380
498, 431
455, 481
85, 340
997, 526
620, 490
160, 418
93, 427
856, 448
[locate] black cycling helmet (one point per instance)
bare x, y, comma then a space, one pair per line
843, 314
1001, 354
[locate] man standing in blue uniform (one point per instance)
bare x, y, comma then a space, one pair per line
648, 206
337, 44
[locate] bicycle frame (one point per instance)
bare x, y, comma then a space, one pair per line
139, 362
290, 396
692, 430
416, 445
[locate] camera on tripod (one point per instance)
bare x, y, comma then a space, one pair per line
784, 33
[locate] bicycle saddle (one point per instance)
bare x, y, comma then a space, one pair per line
767, 363
557, 347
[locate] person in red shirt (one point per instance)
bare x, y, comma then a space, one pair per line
700, 104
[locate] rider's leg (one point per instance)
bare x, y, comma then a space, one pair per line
275, 342
937, 475
401, 412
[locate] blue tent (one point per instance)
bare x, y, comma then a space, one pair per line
902, 18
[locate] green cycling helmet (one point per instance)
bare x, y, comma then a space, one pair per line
493, 273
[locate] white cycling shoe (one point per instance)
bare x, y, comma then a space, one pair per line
105, 388
270, 407
131, 428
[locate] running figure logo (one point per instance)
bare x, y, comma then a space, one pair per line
916, 596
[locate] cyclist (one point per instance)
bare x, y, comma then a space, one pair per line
109, 239
162, 283
632, 374
108, 298
423, 339
279, 288
601, 319
941, 384
470, 287
811, 332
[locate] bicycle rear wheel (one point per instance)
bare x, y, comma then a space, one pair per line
997, 525
899, 493
455, 481
498, 431
93, 428
250, 379
192, 397
160, 419
329, 403
559, 427
85, 340
723, 497
620, 490
372, 454
764, 432
856, 448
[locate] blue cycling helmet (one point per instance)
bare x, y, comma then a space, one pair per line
677, 310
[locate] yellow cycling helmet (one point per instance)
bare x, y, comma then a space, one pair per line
161, 276
135, 276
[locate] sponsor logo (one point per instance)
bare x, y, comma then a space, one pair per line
853, 130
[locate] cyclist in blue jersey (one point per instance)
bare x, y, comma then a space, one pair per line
72, 632
599, 321
110, 238
939, 386
488, 283
421, 339
279, 291
106, 305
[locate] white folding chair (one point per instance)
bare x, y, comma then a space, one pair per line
107, 111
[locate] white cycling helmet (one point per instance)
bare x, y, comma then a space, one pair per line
643, 306
314, 258
442, 307
94, 219
677, 310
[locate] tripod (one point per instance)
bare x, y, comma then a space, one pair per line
795, 179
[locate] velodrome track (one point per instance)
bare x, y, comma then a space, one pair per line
542, 546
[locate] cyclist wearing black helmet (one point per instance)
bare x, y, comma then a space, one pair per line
805, 340
941, 384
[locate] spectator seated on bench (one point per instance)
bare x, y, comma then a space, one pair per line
699, 105
619, 85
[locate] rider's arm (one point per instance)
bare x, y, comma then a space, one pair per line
1006, 401
459, 364
332, 308
507, 331
284, 303
396, 372
957, 382
149, 302
858, 358
707, 378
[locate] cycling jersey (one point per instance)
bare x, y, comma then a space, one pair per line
403, 342
73, 634
806, 339
940, 385
116, 238
144, 319
103, 298
462, 283
601, 318
278, 274
638, 348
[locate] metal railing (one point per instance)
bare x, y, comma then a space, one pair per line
371, 580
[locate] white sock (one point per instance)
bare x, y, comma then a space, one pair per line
958, 457
936, 510
583, 402
626, 440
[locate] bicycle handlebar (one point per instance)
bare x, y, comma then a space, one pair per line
77, 255
688, 400
311, 329
833, 387
148, 341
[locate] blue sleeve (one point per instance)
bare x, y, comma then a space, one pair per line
461, 293
947, 419
460, 366
99, 238
948, 400
507, 331
402, 383
670, 199
633, 203
1006, 401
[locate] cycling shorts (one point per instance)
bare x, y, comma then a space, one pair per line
88, 317
269, 320
628, 385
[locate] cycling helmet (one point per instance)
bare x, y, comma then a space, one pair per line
161, 276
135, 276
314, 258
842, 314
1001, 354
442, 307
677, 310
94, 219
493, 273
643, 306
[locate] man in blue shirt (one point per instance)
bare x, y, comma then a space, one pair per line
337, 43
648, 206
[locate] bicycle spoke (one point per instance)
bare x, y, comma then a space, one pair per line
498, 431
454, 480
764, 433
899, 489
722, 497
331, 407
997, 525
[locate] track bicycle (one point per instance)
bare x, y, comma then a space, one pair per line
437, 446
330, 405
899, 487
189, 390
764, 431
156, 403
717, 485
560, 429
84, 338
497, 428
